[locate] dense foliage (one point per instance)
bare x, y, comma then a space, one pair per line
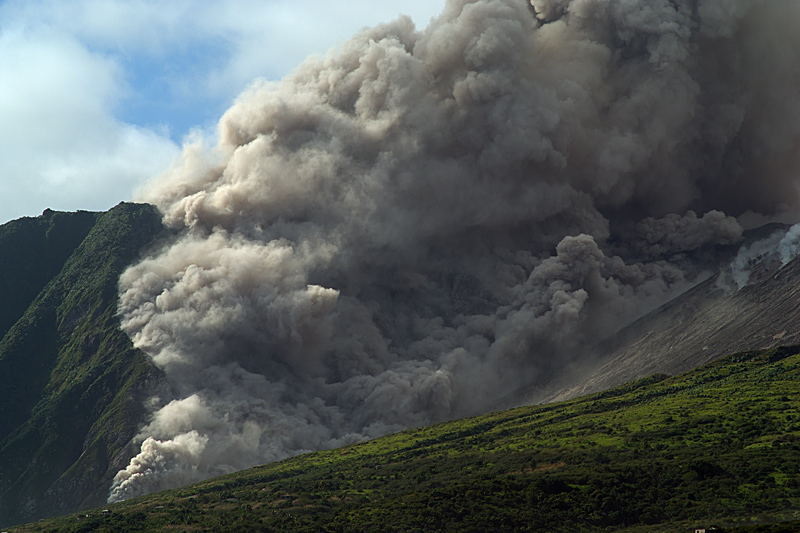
70, 379
719, 445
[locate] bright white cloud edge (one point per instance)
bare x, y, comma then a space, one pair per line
62, 84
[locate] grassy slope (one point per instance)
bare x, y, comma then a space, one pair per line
719, 445
70, 377
32, 252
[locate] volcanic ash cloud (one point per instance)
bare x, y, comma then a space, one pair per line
405, 230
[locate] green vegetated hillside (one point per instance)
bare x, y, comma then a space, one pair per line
71, 383
717, 446
32, 252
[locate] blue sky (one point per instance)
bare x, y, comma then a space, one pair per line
97, 95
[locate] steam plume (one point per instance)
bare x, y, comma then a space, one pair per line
405, 230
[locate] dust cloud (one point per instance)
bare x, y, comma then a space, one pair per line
421, 221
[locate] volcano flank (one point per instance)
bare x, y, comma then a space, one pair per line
520, 203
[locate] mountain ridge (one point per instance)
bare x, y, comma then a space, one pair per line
74, 385
47, 242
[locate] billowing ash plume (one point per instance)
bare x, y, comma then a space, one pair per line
407, 229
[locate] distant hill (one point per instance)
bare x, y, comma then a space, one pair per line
71, 383
717, 446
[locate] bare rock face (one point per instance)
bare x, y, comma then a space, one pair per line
712, 319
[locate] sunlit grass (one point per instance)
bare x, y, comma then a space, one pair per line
719, 445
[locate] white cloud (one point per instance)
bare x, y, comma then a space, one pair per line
270, 38
70, 69
61, 146
264, 38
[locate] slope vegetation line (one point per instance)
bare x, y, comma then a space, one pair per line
719, 445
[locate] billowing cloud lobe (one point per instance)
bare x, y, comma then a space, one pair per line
405, 230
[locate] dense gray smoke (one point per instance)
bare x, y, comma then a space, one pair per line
405, 230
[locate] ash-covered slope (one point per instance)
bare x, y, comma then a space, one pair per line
71, 384
714, 318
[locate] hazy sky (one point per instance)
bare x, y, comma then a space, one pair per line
97, 95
